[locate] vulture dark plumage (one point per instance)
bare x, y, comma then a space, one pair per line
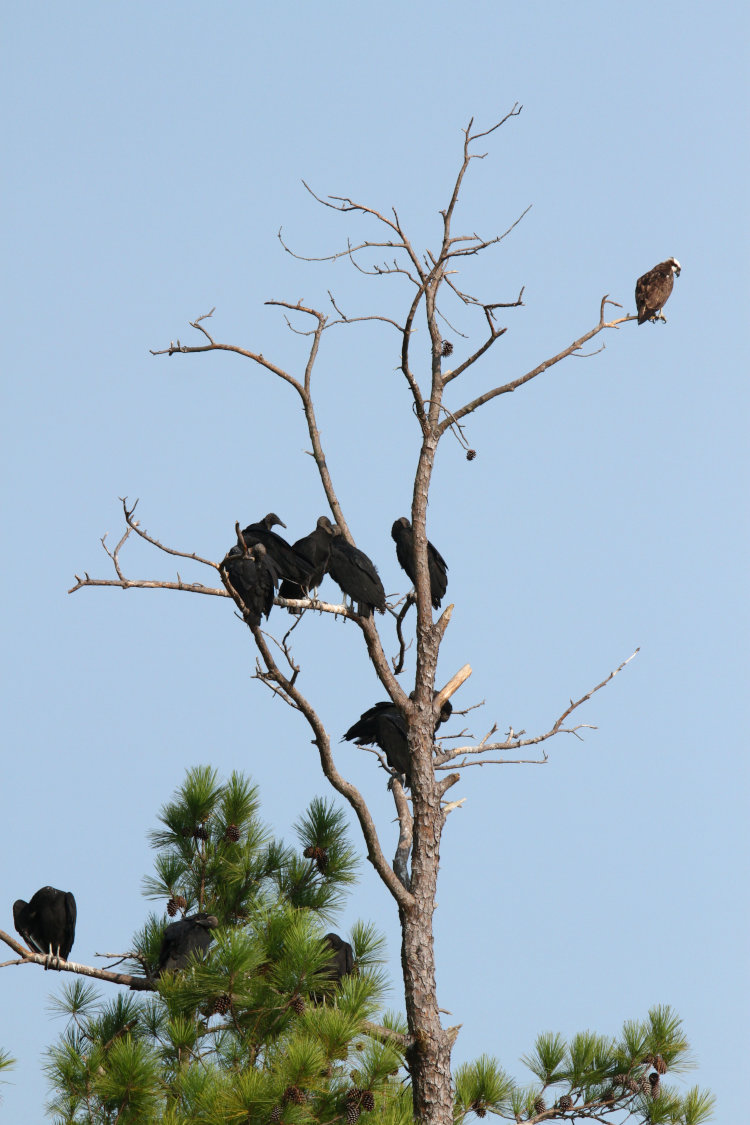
253, 576
383, 725
356, 575
315, 549
282, 554
48, 922
653, 289
402, 534
181, 939
340, 965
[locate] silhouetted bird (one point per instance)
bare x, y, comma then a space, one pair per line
48, 922
383, 725
315, 549
356, 575
286, 560
253, 576
402, 534
181, 939
339, 966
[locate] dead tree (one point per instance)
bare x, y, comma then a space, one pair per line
411, 878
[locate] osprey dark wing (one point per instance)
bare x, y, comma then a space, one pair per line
652, 290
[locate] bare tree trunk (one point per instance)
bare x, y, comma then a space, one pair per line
429, 1054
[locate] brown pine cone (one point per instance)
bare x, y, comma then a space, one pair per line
447, 348
660, 1065
232, 833
565, 1103
368, 1101
294, 1094
221, 1004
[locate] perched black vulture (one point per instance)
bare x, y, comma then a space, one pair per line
254, 577
383, 725
286, 560
403, 536
339, 966
315, 549
356, 575
48, 922
181, 939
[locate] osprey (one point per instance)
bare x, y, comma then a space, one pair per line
653, 289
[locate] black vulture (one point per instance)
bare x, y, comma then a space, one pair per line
315, 549
340, 965
181, 939
48, 922
288, 563
383, 725
402, 534
356, 575
254, 577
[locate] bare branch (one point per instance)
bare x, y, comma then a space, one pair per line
134, 525
482, 244
345, 788
146, 584
28, 957
406, 830
454, 683
398, 661
515, 742
516, 383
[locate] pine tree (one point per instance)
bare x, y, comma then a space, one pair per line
253, 1030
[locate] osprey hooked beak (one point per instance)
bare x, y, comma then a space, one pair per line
676, 267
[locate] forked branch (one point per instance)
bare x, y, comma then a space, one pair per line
446, 759
508, 388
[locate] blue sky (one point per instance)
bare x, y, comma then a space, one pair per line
153, 151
